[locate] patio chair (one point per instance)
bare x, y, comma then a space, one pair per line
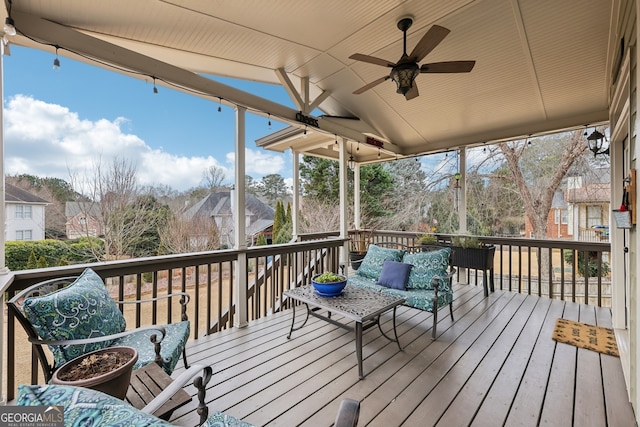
76, 315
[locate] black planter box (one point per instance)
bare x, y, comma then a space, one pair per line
475, 258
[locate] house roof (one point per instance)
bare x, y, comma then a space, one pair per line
589, 193
219, 204
540, 66
72, 209
13, 194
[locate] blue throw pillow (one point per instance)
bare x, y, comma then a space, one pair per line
394, 275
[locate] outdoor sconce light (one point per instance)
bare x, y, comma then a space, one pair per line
595, 141
352, 163
9, 24
404, 75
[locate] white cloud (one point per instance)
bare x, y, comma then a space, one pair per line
45, 139
259, 162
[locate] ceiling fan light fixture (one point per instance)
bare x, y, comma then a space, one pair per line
404, 75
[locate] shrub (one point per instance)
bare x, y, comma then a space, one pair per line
592, 265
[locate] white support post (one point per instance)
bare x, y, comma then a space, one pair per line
344, 225
356, 196
3, 269
239, 226
462, 204
296, 193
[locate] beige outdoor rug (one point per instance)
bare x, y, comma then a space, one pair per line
596, 338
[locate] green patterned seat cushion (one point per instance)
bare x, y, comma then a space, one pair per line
220, 419
426, 266
371, 266
83, 309
171, 347
86, 407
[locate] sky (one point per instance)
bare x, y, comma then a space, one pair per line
62, 123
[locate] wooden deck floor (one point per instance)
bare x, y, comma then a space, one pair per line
495, 365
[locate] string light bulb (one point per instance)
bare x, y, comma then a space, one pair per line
269, 120
336, 135
155, 89
219, 104
305, 131
56, 61
378, 152
358, 148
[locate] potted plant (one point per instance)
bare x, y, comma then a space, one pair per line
470, 252
329, 284
428, 241
107, 370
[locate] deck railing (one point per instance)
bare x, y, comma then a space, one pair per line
549, 268
209, 277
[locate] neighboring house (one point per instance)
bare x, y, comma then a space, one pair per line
83, 219
24, 214
219, 207
557, 221
589, 206
581, 212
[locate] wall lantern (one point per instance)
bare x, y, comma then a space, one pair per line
596, 141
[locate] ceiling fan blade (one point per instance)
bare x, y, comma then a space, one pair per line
372, 60
413, 92
448, 67
370, 85
428, 42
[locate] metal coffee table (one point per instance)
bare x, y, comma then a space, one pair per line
360, 305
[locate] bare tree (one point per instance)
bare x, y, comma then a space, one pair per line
318, 215
196, 234
538, 169
112, 192
214, 178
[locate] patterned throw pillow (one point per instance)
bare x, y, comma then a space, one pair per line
371, 266
426, 266
83, 309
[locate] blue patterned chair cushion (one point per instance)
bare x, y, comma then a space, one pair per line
220, 419
83, 309
371, 266
421, 299
426, 266
86, 407
170, 350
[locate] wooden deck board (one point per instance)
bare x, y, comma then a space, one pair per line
496, 364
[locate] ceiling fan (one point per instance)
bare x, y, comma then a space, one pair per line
407, 69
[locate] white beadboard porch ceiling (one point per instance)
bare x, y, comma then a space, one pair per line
541, 65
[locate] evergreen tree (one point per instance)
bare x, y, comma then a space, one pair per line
32, 262
278, 219
261, 240
42, 262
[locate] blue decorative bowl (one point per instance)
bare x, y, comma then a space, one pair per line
329, 289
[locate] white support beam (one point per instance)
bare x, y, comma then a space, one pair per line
286, 82
180, 79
